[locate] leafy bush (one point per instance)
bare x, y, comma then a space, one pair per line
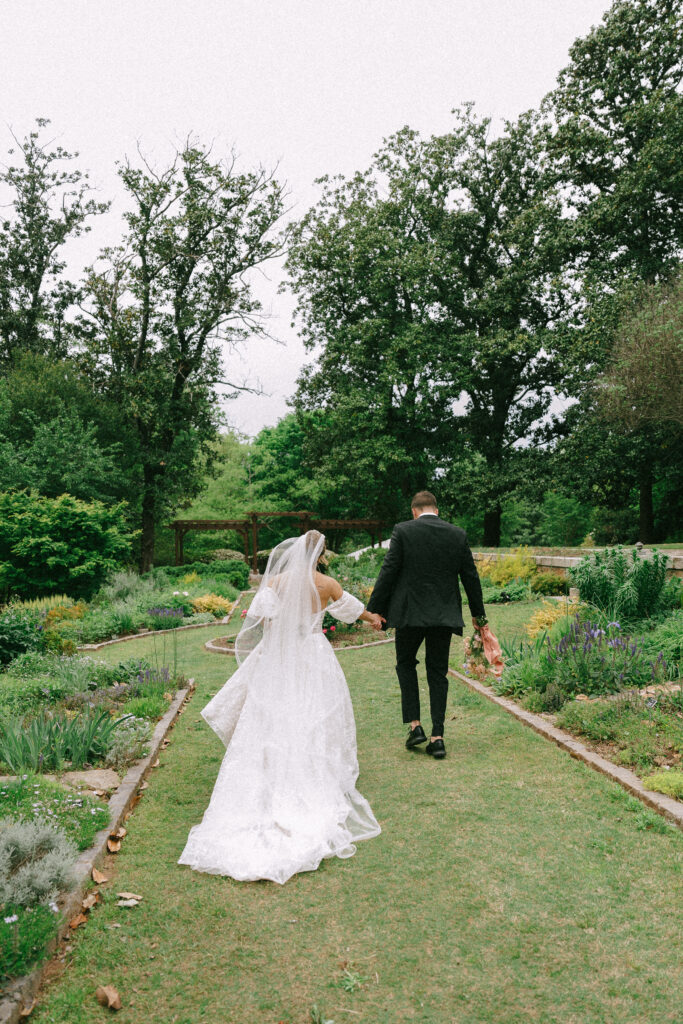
236, 572
547, 615
549, 584
670, 783
520, 565
212, 603
517, 590
23, 696
50, 544
20, 631
624, 585
33, 798
129, 743
24, 935
50, 739
225, 555
36, 862
44, 604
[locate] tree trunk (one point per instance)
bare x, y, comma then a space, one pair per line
148, 523
492, 519
646, 526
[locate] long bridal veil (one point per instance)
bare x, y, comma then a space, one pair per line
285, 796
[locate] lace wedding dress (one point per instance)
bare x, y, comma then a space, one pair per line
285, 796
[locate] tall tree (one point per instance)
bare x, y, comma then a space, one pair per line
48, 206
432, 284
616, 134
165, 301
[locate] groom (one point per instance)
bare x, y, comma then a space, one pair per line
417, 591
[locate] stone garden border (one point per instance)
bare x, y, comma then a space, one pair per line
20, 993
664, 805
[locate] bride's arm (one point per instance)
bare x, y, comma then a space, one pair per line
329, 588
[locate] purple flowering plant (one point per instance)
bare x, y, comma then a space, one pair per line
591, 659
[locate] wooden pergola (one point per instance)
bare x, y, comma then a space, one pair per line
248, 529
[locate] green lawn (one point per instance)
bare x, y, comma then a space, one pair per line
510, 884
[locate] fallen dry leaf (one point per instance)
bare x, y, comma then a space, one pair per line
98, 877
27, 1009
99, 792
129, 896
119, 833
78, 920
90, 900
107, 995
143, 785
113, 845
127, 903
156, 763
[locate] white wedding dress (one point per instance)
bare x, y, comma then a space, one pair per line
285, 796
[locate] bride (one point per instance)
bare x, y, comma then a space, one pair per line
285, 796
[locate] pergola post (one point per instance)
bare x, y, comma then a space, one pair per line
254, 538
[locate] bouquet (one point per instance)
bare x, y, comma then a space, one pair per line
483, 653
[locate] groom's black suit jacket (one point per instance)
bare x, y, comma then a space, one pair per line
418, 582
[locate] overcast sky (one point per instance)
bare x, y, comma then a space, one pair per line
313, 85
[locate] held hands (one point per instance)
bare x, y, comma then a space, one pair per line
375, 620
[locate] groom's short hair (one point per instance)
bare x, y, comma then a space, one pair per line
423, 499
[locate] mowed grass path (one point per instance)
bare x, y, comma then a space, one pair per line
510, 884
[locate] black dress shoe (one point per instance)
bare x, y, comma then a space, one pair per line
415, 737
436, 748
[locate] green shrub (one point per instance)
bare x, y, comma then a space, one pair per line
624, 585
23, 696
129, 742
670, 783
20, 631
50, 739
549, 584
224, 555
36, 862
24, 936
50, 544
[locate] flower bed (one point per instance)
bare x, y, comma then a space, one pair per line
615, 684
127, 604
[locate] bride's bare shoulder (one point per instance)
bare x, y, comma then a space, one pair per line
327, 587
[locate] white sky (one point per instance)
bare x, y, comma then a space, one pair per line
313, 85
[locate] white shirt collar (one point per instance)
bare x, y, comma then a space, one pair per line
427, 514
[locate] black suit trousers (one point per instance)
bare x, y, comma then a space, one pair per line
437, 640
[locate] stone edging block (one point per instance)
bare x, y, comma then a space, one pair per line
665, 805
20, 992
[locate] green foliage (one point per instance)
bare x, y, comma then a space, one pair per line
23, 941
48, 205
19, 632
669, 783
641, 734
667, 640
625, 586
49, 544
236, 573
51, 738
33, 798
129, 742
36, 862
549, 583
152, 707
165, 303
